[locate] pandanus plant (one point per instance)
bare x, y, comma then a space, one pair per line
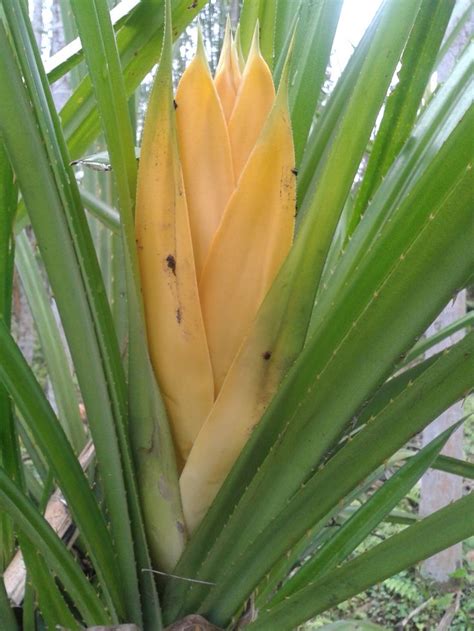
281, 250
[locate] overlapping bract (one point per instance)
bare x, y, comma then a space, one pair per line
214, 222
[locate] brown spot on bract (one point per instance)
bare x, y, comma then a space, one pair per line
266, 355
294, 171
178, 316
175, 105
171, 263
193, 5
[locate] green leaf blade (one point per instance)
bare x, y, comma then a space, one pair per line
416, 543
418, 62
37, 530
365, 519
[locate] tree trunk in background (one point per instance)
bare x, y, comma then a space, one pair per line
37, 21
60, 89
22, 325
438, 488
234, 12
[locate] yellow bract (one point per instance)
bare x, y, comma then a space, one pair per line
251, 243
205, 154
228, 74
175, 330
252, 106
215, 219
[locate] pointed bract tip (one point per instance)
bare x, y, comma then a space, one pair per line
200, 48
255, 45
228, 27
227, 43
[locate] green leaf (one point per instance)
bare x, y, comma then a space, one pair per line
314, 37
71, 55
51, 342
266, 13
7, 617
51, 439
147, 414
466, 322
267, 19
8, 201
287, 17
455, 466
431, 133
249, 15
332, 180
420, 541
312, 540
9, 448
51, 602
464, 9
257, 548
139, 42
101, 210
36, 148
334, 112
365, 519
33, 525
417, 64
391, 389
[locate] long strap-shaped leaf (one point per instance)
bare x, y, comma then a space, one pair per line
51, 601
333, 113
313, 42
149, 431
67, 58
9, 448
54, 445
7, 617
51, 342
420, 541
455, 466
386, 433
364, 310
35, 146
265, 13
139, 41
311, 541
147, 418
365, 519
402, 105
430, 134
465, 322
33, 525
107, 215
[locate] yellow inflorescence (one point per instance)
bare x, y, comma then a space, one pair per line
214, 222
